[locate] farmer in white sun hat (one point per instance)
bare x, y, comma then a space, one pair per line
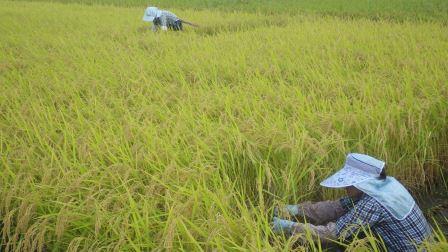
375, 203
163, 19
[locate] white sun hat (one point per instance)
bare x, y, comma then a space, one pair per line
357, 168
151, 13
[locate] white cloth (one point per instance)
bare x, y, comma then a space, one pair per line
391, 194
151, 13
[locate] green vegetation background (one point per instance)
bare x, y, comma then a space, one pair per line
392, 9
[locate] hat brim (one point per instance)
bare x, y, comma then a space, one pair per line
346, 177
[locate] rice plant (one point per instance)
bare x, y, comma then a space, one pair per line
116, 138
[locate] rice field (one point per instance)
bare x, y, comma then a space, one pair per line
114, 138
377, 9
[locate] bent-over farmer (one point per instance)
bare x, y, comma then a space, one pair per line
162, 19
374, 203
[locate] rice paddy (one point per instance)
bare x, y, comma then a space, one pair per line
116, 138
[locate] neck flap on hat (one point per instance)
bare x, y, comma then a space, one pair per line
390, 194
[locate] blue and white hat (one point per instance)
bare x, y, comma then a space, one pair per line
151, 13
358, 168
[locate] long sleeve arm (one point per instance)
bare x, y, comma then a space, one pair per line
327, 233
154, 27
321, 212
164, 22
360, 218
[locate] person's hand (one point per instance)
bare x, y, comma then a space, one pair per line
287, 211
282, 226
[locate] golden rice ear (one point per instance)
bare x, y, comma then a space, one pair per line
8, 225
283, 212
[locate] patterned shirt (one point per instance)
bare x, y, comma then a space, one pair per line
166, 19
398, 235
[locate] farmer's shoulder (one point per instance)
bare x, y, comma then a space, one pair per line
367, 201
364, 201
167, 13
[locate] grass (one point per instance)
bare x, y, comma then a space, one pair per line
435, 10
116, 138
